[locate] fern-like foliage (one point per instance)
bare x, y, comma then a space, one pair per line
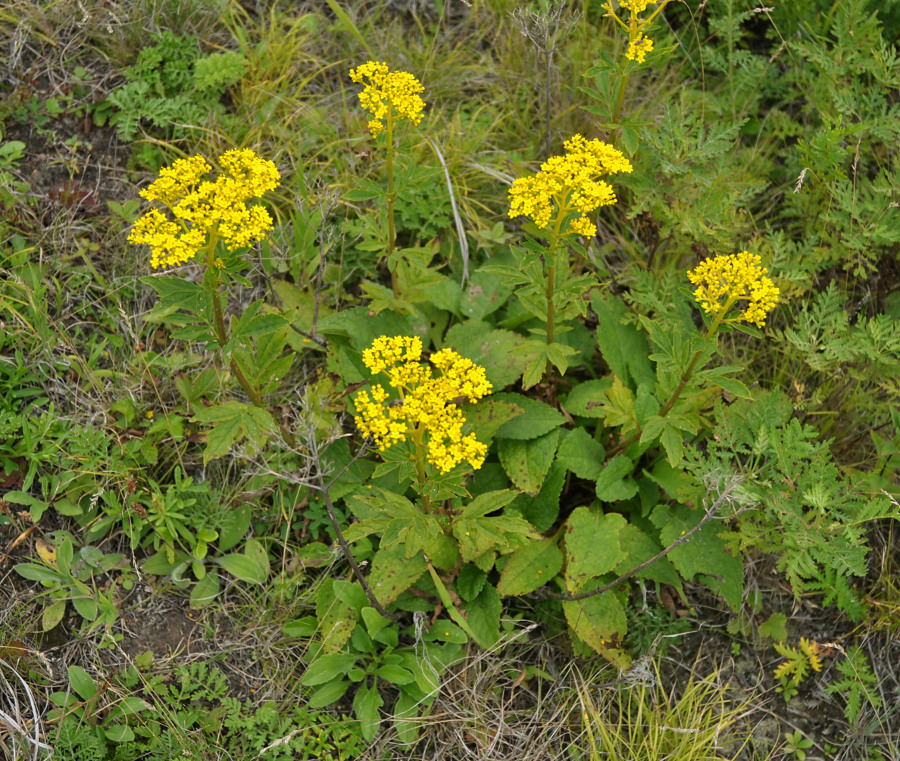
173, 84
806, 514
856, 685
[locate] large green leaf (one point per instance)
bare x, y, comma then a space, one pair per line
538, 418
615, 482
504, 355
704, 555
530, 567
542, 510
528, 462
639, 548
337, 615
393, 573
587, 398
624, 347
483, 615
582, 455
232, 422
597, 621
592, 546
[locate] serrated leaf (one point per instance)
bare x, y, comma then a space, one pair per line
485, 417
528, 462
704, 554
530, 567
592, 546
470, 581
615, 482
393, 573
542, 511
597, 621
232, 422
337, 616
623, 346
774, 627
587, 398
504, 355
582, 455
639, 548
483, 615
536, 420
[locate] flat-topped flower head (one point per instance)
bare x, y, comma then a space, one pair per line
427, 401
388, 94
569, 183
638, 48
196, 211
733, 279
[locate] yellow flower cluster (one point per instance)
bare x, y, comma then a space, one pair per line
569, 183
427, 401
638, 48
638, 43
200, 212
726, 280
388, 94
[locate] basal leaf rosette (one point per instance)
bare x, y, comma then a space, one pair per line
569, 184
425, 408
191, 213
735, 280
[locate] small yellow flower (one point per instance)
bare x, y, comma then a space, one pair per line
388, 94
569, 184
638, 48
726, 280
150, 414
426, 403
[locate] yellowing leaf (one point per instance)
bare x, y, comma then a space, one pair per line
45, 551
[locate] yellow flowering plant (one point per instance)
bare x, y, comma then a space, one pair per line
610, 75
418, 424
208, 222
390, 98
558, 201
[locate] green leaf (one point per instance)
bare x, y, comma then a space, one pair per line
483, 615
672, 440
704, 555
486, 416
301, 627
530, 567
624, 347
542, 511
393, 573
504, 355
233, 524
366, 703
587, 398
328, 694
327, 667
597, 620
82, 683
37, 507
35, 572
470, 581
615, 482
373, 620
592, 546
528, 462
52, 615
85, 606
205, 591
582, 455
337, 615
119, 733
537, 419
489, 502
639, 548
232, 422
252, 566
775, 627
395, 674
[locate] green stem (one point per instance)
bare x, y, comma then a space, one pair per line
392, 232
621, 99
419, 441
